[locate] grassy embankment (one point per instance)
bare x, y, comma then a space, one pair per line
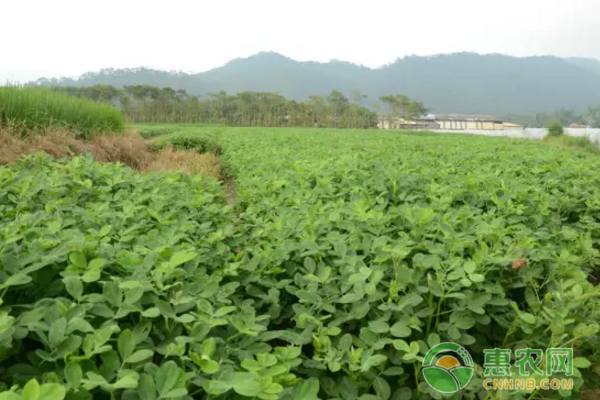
37, 119
30, 110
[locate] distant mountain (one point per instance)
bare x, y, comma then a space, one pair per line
590, 64
459, 83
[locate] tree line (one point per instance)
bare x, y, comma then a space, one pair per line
401, 111
566, 117
146, 103
590, 117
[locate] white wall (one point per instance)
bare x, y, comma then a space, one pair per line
531, 133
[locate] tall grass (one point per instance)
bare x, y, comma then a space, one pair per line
581, 143
29, 109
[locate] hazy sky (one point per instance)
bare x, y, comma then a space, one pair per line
70, 37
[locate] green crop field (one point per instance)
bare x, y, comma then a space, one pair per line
33, 109
345, 256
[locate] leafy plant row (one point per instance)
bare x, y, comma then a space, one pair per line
346, 258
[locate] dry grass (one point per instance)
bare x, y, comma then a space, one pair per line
130, 149
590, 394
188, 162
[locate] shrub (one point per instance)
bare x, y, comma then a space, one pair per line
30, 108
555, 129
149, 131
187, 141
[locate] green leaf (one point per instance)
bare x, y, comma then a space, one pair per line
166, 377
476, 309
480, 299
151, 312
372, 361
141, 331
77, 258
462, 320
580, 362
146, 389
382, 388
351, 298
139, 355
181, 257
379, 327
133, 295
31, 391
401, 345
247, 388
91, 275
112, 292
348, 389
221, 312
394, 371
127, 382
470, 267
476, 278
216, 387
585, 330
104, 230
399, 329
73, 374
273, 388
209, 347
185, 318
179, 392
251, 365
454, 333
310, 265
404, 393
435, 288
18, 279
94, 380
126, 344
209, 366
433, 339
306, 390
52, 391
345, 342
9, 395
530, 319
97, 263
73, 286
57, 332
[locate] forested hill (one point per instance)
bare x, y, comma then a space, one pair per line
461, 82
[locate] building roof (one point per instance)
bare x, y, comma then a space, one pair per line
465, 117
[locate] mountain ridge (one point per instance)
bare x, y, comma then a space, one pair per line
458, 82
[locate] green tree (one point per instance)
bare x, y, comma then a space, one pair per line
145, 103
592, 117
555, 129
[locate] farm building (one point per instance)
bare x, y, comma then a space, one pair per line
463, 122
509, 126
425, 122
449, 122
